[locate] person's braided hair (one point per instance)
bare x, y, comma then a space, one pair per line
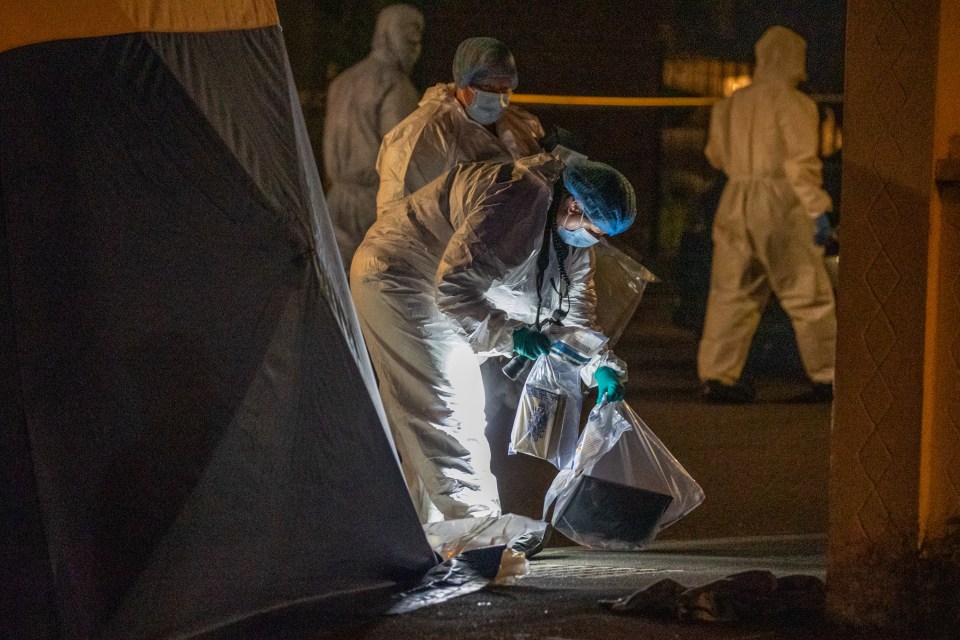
552, 237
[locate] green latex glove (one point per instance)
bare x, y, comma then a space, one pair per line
530, 343
608, 384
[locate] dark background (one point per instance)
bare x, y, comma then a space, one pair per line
578, 47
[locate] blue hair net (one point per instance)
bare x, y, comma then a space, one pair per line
480, 59
607, 198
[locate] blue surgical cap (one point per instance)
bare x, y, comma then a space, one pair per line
481, 59
605, 195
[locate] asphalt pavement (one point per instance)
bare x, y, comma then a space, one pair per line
559, 598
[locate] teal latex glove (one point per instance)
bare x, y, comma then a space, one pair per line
530, 343
608, 384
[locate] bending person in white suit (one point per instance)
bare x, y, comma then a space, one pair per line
459, 271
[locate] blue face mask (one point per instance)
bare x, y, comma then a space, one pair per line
578, 237
487, 106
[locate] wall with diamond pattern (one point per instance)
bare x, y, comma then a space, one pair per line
887, 414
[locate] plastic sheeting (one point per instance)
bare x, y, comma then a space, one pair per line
457, 576
624, 486
193, 412
620, 282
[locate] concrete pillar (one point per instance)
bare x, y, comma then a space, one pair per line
894, 556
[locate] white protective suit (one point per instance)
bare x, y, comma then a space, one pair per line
363, 104
439, 134
765, 138
442, 279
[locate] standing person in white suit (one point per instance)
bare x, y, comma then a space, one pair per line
770, 226
363, 104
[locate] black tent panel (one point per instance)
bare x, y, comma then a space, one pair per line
26, 580
202, 435
272, 153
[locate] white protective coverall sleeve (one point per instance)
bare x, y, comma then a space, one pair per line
500, 232
800, 123
398, 102
580, 268
718, 136
439, 135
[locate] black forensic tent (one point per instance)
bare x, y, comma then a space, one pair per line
190, 427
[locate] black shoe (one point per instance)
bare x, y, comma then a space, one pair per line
819, 392
716, 392
530, 544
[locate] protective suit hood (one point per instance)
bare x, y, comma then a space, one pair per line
396, 37
781, 56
